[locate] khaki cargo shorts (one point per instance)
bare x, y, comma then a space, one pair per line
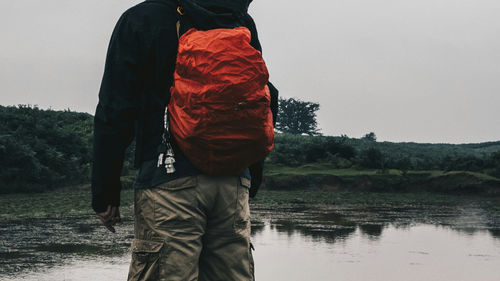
193, 228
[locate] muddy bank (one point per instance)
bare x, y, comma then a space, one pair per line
452, 183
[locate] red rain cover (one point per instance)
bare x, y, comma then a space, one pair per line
219, 110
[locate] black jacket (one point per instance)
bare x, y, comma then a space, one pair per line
135, 88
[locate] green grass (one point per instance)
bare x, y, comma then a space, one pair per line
322, 169
328, 169
478, 175
64, 202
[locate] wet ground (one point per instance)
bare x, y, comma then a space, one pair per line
362, 240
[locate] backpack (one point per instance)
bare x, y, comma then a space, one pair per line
219, 113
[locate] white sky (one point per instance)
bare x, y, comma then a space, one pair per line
409, 70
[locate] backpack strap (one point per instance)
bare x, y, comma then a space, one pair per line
166, 155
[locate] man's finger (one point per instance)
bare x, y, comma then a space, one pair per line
117, 216
105, 215
103, 221
110, 217
113, 212
113, 220
108, 210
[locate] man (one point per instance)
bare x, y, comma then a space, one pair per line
188, 226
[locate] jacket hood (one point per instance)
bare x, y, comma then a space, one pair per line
233, 5
209, 14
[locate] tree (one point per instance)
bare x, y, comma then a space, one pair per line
370, 137
297, 117
339, 147
404, 164
372, 158
495, 160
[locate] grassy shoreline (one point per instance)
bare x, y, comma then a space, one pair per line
310, 184
324, 177
75, 201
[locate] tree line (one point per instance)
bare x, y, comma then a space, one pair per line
45, 149
297, 119
344, 152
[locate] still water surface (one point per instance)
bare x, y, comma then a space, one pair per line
300, 243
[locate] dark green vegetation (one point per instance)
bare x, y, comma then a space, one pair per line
297, 117
342, 163
44, 149
343, 152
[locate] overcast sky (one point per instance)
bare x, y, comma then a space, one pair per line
409, 70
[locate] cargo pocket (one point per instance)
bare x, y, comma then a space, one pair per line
145, 263
242, 214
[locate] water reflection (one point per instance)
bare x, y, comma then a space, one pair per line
317, 231
416, 252
373, 231
333, 223
495, 232
39, 249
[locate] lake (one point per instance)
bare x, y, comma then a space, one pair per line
364, 240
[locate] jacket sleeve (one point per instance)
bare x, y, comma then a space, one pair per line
257, 169
115, 114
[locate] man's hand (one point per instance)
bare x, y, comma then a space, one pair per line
110, 217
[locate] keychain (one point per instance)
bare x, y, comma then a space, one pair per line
166, 155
